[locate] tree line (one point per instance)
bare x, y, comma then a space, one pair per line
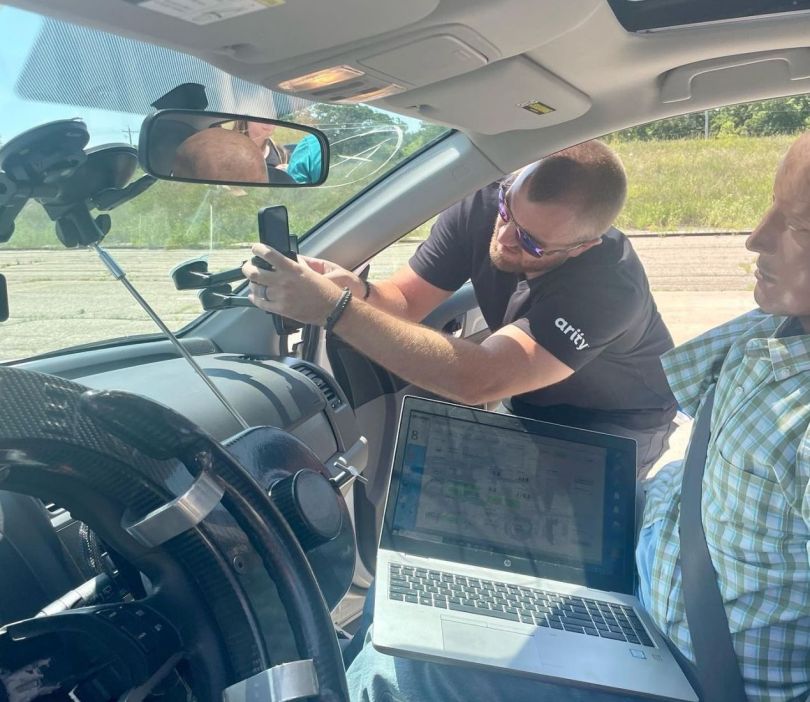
754, 119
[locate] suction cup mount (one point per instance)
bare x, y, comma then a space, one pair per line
49, 164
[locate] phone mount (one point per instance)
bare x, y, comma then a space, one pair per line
50, 164
221, 297
216, 292
194, 275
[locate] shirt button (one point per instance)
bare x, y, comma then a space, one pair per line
739, 389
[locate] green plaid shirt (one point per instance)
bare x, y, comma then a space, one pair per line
756, 499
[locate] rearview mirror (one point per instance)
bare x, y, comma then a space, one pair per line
196, 146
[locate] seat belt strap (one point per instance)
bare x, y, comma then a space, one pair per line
717, 665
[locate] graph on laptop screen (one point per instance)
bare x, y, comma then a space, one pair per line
471, 484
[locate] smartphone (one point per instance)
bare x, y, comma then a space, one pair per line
274, 231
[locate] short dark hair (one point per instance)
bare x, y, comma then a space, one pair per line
589, 175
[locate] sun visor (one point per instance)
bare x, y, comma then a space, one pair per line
511, 94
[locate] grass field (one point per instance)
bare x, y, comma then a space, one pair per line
695, 184
699, 184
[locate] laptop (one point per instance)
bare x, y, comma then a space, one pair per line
508, 544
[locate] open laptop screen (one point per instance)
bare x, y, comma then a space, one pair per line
514, 494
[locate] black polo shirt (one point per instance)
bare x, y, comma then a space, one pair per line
595, 313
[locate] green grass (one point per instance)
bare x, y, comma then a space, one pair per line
694, 184
699, 183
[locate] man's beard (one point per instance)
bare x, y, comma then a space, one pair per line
516, 263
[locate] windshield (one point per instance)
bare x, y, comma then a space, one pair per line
52, 70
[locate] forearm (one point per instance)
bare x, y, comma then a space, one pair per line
447, 366
509, 362
405, 294
385, 296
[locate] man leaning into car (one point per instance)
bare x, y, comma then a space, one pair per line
756, 488
576, 334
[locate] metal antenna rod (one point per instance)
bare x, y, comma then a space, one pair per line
118, 273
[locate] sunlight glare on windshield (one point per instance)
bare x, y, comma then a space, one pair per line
52, 70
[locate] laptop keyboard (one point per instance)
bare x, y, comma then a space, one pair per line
515, 603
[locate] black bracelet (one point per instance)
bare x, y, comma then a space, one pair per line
340, 308
368, 288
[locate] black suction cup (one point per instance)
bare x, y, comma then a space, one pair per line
106, 167
46, 153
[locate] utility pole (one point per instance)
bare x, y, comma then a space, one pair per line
128, 132
210, 226
706, 124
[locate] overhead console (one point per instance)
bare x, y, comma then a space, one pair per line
440, 74
379, 71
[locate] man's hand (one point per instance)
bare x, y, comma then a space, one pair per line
294, 290
509, 362
337, 274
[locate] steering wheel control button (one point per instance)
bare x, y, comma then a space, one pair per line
282, 683
179, 515
150, 631
311, 506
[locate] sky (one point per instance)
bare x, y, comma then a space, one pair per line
18, 33
18, 30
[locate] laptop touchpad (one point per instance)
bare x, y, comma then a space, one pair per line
486, 643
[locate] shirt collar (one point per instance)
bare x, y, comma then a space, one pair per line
788, 349
693, 367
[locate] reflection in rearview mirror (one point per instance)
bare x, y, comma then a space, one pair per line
219, 148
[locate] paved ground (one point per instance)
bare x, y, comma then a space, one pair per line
64, 298
60, 298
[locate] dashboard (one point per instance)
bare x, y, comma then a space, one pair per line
44, 552
286, 393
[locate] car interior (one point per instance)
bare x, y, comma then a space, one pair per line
192, 489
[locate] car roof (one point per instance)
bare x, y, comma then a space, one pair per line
520, 77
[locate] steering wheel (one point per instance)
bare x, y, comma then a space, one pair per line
167, 498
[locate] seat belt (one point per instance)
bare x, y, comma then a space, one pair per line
717, 666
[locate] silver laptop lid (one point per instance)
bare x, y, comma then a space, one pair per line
515, 494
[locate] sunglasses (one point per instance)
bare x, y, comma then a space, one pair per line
527, 242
